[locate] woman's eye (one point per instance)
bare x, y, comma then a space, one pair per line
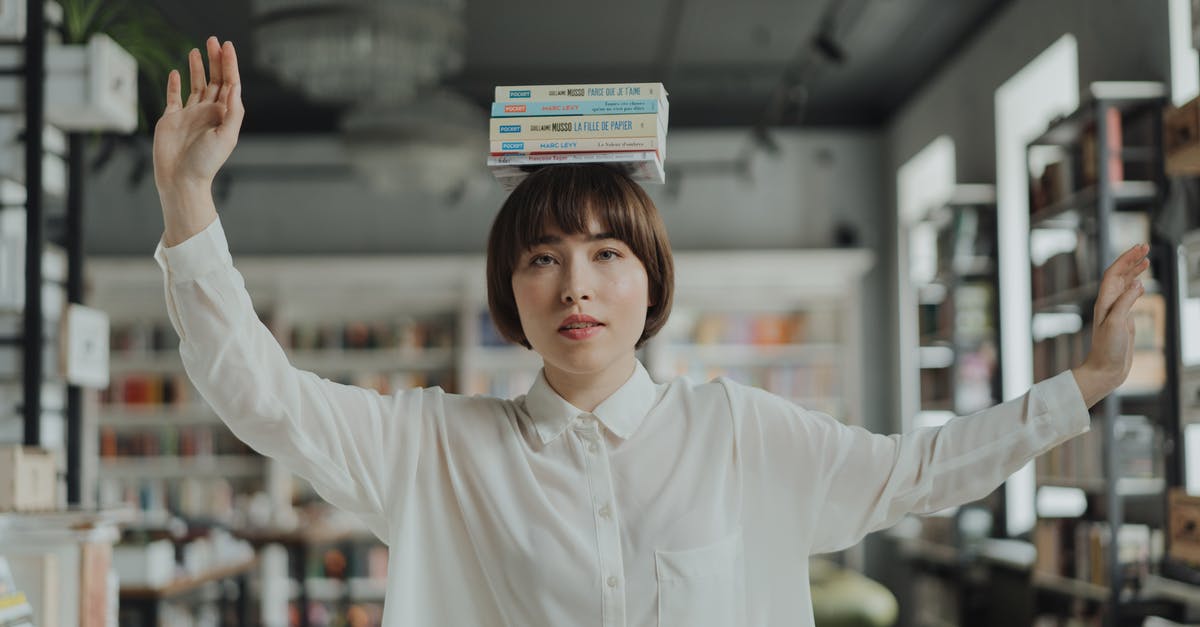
612, 254
538, 259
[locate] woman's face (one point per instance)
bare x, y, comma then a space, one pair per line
593, 275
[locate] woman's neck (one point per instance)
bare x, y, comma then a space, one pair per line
587, 390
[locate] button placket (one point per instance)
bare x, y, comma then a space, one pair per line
608, 537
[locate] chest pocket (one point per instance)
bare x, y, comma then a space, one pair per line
704, 586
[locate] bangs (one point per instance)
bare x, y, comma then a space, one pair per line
568, 198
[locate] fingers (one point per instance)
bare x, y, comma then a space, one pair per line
214, 69
1118, 277
214, 60
1120, 310
234, 112
196, 72
229, 72
174, 99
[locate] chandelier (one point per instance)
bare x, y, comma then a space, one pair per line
345, 51
382, 59
434, 143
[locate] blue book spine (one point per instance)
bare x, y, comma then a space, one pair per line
573, 107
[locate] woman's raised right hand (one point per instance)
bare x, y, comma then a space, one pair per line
194, 138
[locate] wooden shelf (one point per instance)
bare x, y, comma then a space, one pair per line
372, 359
303, 535
1059, 214
502, 358
317, 360
160, 362
123, 416
1121, 94
933, 552
176, 467
1159, 587
1073, 300
185, 585
935, 357
1126, 486
756, 355
1070, 587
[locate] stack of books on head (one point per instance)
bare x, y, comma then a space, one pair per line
538, 125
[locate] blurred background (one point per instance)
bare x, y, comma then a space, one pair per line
890, 211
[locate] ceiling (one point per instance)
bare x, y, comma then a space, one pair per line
722, 62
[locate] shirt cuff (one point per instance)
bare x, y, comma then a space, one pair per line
195, 256
1064, 402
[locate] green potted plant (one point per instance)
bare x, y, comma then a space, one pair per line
92, 27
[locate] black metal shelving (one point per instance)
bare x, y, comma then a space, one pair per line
1123, 178
35, 333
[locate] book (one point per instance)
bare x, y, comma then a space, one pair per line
15, 609
576, 127
642, 166
579, 107
594, 91
595, 144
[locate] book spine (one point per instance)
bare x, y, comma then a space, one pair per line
640, 171
579, 107
575, 127
645, 166
597, 91
550, 146
503, 163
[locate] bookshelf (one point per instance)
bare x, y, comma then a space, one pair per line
65, 554
152, 605
1095, 178
948, 322
1188, 467
786, 321
392, 322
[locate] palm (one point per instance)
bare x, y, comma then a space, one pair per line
193, 139
1112, 325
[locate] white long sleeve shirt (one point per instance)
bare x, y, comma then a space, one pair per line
672, 504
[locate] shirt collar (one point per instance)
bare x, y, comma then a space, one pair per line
621, 413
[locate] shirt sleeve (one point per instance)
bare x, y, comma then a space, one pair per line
860, 482
352, 444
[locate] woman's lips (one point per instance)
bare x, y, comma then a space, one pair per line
581, 333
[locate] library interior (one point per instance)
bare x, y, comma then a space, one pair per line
905, 361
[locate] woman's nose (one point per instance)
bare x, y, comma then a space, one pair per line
576, 285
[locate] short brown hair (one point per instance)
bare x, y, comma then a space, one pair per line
567, 196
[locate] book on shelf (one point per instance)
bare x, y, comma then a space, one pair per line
580, 107
1079, 550
576, 127
756, 329
1114, 168
400, 332
96, 596
583, 91
1080, 461
655, 143
641, 166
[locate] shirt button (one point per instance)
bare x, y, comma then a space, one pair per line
605, 511
593, 448
612, 582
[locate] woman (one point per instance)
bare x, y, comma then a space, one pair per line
600, 497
